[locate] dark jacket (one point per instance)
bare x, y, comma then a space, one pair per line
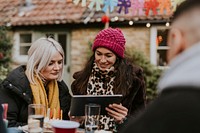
16, 91
175, 110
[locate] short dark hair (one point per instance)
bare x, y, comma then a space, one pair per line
184, 7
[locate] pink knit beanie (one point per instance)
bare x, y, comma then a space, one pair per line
112, 39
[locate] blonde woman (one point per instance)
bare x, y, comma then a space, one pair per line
39, 82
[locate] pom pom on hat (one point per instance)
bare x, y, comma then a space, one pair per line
112, 39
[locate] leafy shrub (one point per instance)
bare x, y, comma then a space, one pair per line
151, 72
5, 53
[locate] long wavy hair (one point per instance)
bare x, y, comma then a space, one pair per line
127, 75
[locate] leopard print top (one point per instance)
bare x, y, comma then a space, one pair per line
101, 83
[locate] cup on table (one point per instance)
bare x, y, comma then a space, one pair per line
36, 113
92, 114
64, 126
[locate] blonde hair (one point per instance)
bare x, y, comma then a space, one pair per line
40, 55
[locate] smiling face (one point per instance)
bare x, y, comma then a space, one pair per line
54, 68
104, 58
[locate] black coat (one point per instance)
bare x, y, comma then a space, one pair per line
16, 91
176, 110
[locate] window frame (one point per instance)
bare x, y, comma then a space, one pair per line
153, 45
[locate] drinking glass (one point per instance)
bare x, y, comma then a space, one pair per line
92, 114
36, 113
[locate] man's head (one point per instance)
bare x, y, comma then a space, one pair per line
185, 28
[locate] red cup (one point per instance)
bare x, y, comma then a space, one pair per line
64, 126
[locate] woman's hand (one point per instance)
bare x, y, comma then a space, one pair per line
118, 112
79, 119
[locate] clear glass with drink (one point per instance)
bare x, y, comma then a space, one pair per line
92, 114
36, 113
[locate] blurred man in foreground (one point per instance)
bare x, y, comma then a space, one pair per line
177, 107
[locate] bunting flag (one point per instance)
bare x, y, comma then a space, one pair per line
151, 5
83, 3
137, 7
110, 4
124, 4
98, 4
165, 5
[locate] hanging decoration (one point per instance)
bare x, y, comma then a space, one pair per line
165, 5
151, 5
105, 19
110, 4
124, 4
137, 7
83, 3
98, 4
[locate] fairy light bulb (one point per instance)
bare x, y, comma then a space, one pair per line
130, 22
148, 25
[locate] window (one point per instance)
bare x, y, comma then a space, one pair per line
162, 47
25, 43
158, 46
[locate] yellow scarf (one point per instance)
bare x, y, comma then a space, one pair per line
40, 96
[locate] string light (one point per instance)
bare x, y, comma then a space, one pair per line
130, 22
167, 24
116, 18
148, 25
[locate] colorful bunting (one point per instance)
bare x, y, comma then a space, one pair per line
98, 4
111, 4
124, 3
83, 3
137, 7
151, 5
165, 5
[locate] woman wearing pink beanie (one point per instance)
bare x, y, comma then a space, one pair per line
109, 72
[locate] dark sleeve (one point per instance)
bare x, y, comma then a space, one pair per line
65, 99
2, 125
14, 102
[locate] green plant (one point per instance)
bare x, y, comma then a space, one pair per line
151, 72
5, 53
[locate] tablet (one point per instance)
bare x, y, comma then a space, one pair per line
78, 103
